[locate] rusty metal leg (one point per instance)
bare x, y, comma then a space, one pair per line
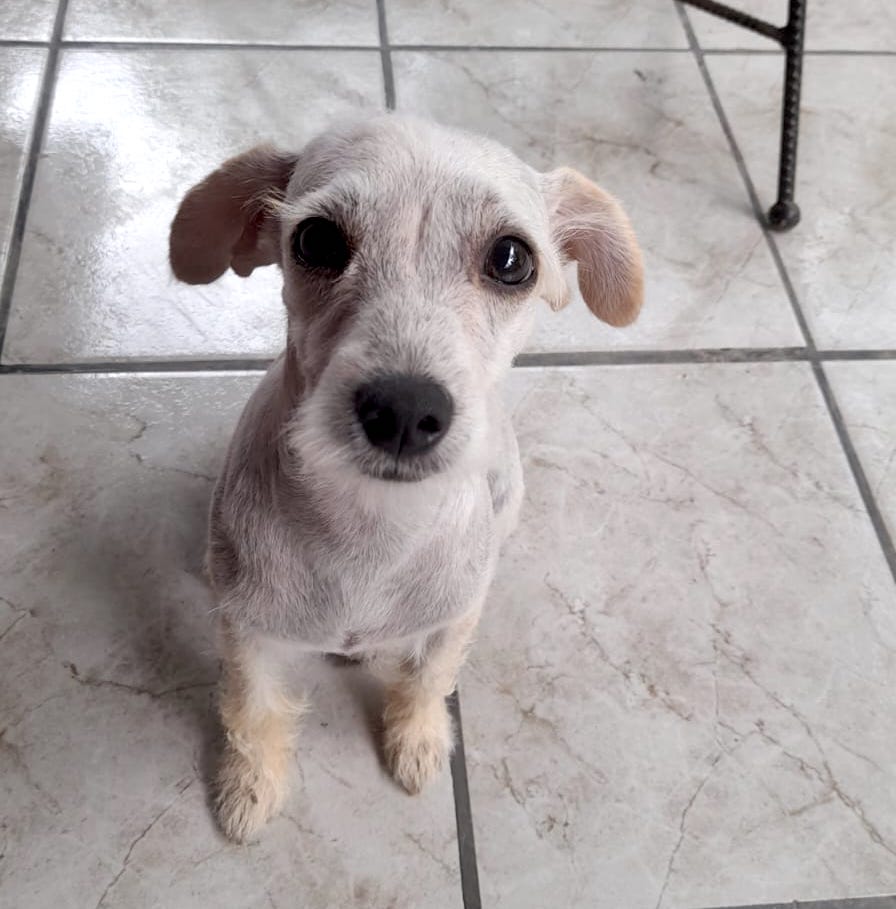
785, 213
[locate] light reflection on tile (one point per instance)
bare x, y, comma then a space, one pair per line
27, 20
20, 72
129, 133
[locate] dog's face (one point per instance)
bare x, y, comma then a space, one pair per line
411, 258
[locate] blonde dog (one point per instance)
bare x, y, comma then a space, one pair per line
374, 473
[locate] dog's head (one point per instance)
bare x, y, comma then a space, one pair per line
411, 256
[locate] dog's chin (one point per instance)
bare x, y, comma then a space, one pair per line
401, 472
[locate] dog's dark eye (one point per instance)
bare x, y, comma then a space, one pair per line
509, 261
319, 243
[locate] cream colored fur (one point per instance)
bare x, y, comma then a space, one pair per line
311, 546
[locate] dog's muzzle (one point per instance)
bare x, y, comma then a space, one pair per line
403, 415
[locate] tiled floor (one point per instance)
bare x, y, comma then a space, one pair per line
682, 695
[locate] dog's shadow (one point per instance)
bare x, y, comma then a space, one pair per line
146, 558
140, 561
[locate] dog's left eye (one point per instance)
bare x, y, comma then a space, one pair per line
319, 243
509, 261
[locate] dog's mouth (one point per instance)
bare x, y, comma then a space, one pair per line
400, 471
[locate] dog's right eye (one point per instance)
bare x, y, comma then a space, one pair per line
510, 261
319, 243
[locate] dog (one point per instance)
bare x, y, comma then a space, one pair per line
374, 473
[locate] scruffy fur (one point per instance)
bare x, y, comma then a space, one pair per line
311, 548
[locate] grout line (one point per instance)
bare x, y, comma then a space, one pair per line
29, 174
750, 51
644, 357
859, 902
813, 356
777, 51
466, 842
121, 45
842, 52
855, 464
137, 367
174, 44
538, 48
137, 44
856, 354
386, 54
124, 44
526, 360
23, 42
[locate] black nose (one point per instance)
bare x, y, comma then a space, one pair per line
403, 415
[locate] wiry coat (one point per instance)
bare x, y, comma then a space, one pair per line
319, 540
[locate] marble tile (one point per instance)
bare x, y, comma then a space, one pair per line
20, 72
862, 902
27, 20
574, 23
840, 256
106, 668
302, 22
681, 693
866, 393
641, 124
830, 25
129, 133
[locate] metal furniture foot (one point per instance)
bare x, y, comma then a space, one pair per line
785, 213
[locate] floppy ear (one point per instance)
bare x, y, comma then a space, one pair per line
590, 226
225, 220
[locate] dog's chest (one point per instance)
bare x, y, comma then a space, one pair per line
351, 598
410, 601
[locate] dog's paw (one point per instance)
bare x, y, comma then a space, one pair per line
417, 744
246, 796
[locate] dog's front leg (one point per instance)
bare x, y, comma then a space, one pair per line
260, 718
418, 733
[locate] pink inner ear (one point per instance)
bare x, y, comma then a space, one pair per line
222, 221
203, 234
250, 251
591, 227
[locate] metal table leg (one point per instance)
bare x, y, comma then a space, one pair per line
785, 213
